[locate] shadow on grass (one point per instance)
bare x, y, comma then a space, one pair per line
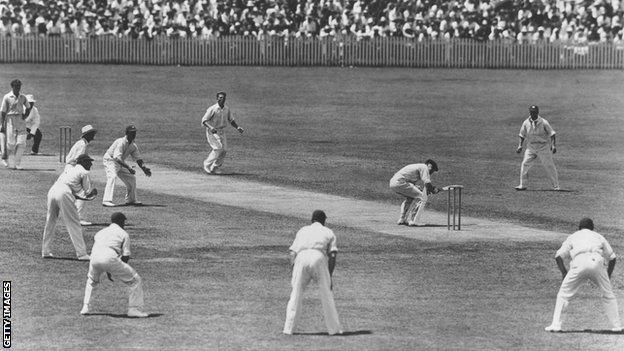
227, 174
38, 170
347, 333
551, 190
64, 259
119, 315
142, 205
426, 226
592, 331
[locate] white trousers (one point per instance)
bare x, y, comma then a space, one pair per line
218, 143
79, 203
3, 145
411, 210
311, 265
587, 267
61, 202
114, 171
546, 157
15, 146
119, 271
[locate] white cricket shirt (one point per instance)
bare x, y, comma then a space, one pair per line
217, 117
314, 236
112, 241
413, 173
537, 133
79, 148
78, 180
121, 149
585, 241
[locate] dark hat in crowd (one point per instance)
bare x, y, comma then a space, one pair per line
131, 128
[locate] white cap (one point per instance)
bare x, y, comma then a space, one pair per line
88, 128
30, 98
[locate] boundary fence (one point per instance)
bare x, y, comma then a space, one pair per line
276, 51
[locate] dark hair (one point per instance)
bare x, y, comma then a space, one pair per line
221, 93
118, 218
434, 165
319, 216
586, 223
15, 82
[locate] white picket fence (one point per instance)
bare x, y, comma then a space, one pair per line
276, 51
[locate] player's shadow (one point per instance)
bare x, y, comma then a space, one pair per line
102, 224
119, 315
64, 259
346, 333
227, 174
426, 226
142, 205
593, 331
38, 170
552, 190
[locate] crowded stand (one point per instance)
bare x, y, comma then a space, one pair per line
519, 21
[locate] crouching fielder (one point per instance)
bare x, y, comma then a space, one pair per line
72, 184
313, 254
404, 183
110, 254
592, 258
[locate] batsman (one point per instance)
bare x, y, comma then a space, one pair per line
404, 182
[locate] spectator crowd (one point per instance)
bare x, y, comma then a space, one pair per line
522, 21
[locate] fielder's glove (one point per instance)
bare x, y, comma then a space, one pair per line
147, 171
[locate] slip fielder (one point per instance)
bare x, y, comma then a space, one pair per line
80, 147
110, 254
313, 255
591, 258
74, 183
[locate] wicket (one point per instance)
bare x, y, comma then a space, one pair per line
65, 142
455, 206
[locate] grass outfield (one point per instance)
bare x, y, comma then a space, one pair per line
217, 278
346, 131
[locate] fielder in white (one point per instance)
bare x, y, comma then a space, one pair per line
110, 254
591, 258
116, 166
15, 109
215, 120
72, 184
313, 255
79, 148
32, 125
404, 183
540, 144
